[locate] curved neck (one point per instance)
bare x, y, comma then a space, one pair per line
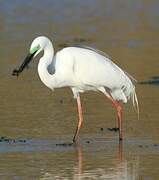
48, 79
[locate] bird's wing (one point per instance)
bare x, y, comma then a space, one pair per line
95, 50
105, 55
108, 58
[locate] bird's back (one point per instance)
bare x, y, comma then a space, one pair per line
89, 67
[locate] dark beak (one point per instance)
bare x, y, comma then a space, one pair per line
26, 61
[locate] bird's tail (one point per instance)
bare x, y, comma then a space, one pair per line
135, 103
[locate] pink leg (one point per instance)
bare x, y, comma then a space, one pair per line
80, 118
119, 116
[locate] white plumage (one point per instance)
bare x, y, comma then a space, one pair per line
83, 69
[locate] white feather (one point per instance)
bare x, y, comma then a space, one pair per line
83, 69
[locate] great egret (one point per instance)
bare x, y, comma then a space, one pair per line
82, 69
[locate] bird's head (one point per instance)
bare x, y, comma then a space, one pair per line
36, 47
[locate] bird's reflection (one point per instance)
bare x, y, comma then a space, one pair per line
120, 171
108, 164
79, 160
120, 151
79, 169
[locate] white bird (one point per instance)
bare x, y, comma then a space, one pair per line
82, 69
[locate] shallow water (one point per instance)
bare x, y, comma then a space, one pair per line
129, 32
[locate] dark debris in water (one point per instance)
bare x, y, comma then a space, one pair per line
64, 144
140, 146
61, 101
4, 139
81, 40
63, 45
147, 146
69, 144
76, 40
156, 145
154, 80
114, 129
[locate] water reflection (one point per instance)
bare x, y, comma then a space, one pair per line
121, 168
79, 168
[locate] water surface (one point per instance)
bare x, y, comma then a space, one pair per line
126, 30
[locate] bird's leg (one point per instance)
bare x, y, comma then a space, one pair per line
120, 121
80, 118
119, 116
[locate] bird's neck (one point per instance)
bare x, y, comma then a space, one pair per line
48, 79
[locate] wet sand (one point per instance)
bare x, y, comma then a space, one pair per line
36, 123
